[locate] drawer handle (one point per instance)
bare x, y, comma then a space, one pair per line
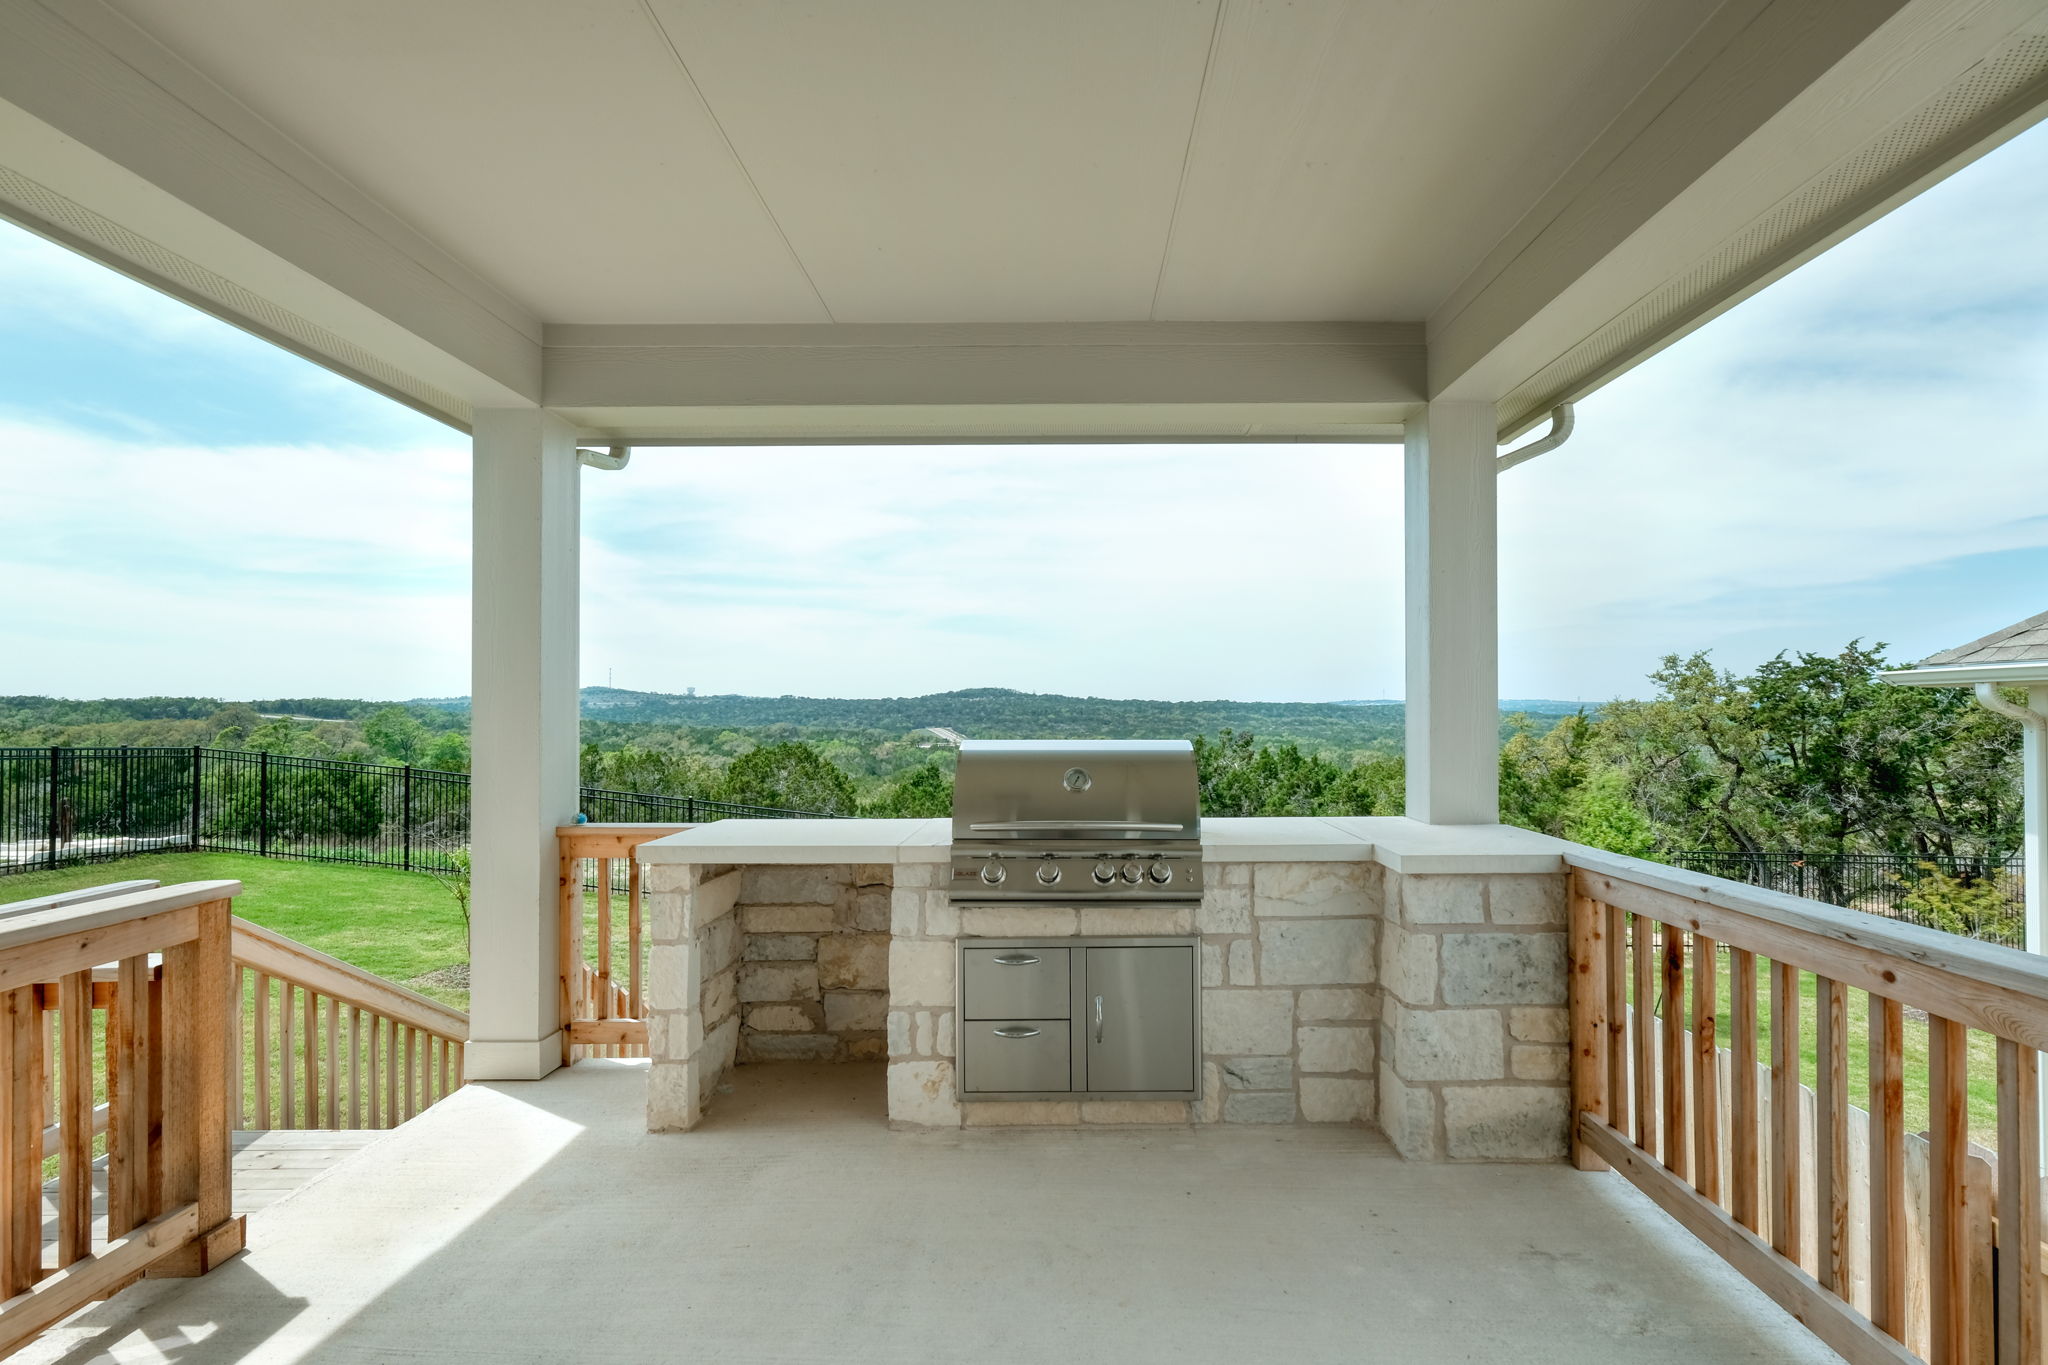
1015, 960
1098, 1018
1016, 1031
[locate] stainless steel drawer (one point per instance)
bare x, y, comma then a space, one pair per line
1020, 1055
1016, 983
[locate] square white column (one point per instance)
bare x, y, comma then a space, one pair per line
523, 734
1453, 703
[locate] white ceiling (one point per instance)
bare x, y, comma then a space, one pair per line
717, 161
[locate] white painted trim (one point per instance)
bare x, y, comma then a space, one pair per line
1969, 675
502, 1060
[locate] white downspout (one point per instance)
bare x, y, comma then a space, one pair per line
614, 458
2033, 719
1560, 431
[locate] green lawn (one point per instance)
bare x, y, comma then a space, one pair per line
401, 925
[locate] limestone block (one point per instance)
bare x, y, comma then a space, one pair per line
1503, 969
1295, 889
1335, 1099
1446, 1045
790, 1047
664, 916
1135, 920
941, 916
1248, 1023
1257, 1073
871, 909
1228, 874
923, 1033
922, 875
1243, 972
720, 996
920, 973
1327, 952
721, 942
921, 1093
672, 1097
1335, 1049
867, 875
714, 1060
1505, 1122
788, 919
854, 962
659, 1034
1408, 965
1134, 1111
868, 1049
856, 1011
1259, 1106
778, 981
1442, 900
1540, 1024
774, 884
1024, 921
902, 1043
1319, 1005
1225, 910
1212, 964
1538, 900
1407, 1115
1023, 1114
1209, 1109
671, 976
1539, 1062
665, 878
905, 907
781, 1019
781, 948
715, 898
942, 1024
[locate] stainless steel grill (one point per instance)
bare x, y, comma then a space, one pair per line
1060, 820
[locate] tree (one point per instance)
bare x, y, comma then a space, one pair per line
397, 735
790, 775
924, 792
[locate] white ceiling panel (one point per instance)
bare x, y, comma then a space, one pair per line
1356, 158
555, 147
960, 160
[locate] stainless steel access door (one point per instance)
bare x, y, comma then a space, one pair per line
1139, 1013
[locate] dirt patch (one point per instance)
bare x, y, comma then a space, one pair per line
454, 977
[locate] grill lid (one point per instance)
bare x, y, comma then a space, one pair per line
1117, 791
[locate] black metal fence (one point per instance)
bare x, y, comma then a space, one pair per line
60, 806
1984, 898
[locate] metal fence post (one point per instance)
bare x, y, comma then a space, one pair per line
51, 822
197, 753
405, 817
122, 816
263, 803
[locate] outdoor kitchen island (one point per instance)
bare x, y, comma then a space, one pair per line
1375, 971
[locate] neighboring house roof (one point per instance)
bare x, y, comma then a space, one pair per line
2018, 653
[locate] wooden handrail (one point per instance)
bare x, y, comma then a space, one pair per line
600, 1016
273, 954
164, 1066
1648, 1100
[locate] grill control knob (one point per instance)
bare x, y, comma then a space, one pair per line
1105, 873
993, 872
1048, 872
1160, 871
1133, 873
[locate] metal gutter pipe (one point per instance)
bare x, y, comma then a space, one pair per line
614, 458
1560, 432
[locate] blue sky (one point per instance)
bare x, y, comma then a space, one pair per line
1859, 451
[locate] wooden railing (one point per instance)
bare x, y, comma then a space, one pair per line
322, 1044
1937, 1251
602, 968
153, 1039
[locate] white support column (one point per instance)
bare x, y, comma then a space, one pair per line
2034, 805
523, 733
1453, 650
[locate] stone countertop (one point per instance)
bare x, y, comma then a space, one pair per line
1404, 845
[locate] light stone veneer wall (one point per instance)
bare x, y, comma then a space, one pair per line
1288, 1005
1474, 1053
814, 963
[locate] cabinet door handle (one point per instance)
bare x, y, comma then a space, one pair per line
1015, 960
1016, 1031
1098, 1018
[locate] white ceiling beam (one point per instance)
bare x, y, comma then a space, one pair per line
1782, 127
113, 145
1066, 381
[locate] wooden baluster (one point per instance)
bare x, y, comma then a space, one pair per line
1706, 1069
412, 1074
287, 1056
311, 1029
1588, 999
1888, 1268
355, 1066
441, 1088
197, 1150
262, 1051
633, 1008
1645, 1007
569, 946
458, 1066
46, 1010
1786, 1154
1948, 1104
1614, 975
21, 1140
1676, 1144
2019, 1204
74, 1162
237, 1063
392, 1062
153, 1164
1743, 1109
128, 1097
332, 1024
1831, 1133
604, 938
376, 1085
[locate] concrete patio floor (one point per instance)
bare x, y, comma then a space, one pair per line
538, 1222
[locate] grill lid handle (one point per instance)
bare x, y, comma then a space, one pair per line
1034, 826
